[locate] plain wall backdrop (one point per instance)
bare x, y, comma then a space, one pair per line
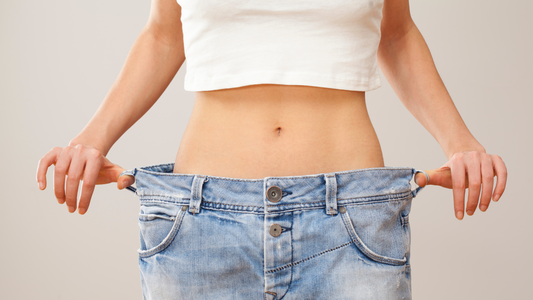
59, 58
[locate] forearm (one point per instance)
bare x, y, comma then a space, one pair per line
149, 68
407, 63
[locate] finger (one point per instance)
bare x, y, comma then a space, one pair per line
90, 175
441, 177
421, 179
125, 181
501, 172
75, 173
474, 179
487, 182
44, 163
458, 185
60, 172
122, 181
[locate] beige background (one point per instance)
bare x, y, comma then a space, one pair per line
58, 59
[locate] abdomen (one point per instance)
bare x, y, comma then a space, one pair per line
278, 130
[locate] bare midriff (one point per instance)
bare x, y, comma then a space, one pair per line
265, 130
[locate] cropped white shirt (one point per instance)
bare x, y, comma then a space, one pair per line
233, 43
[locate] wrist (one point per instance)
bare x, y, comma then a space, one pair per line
91, 142
463, 147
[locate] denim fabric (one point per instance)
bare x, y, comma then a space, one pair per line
344, 235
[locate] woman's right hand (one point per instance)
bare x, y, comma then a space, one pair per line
80, 162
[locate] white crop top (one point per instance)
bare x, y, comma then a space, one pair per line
233, 43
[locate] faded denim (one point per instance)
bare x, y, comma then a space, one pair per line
345, 235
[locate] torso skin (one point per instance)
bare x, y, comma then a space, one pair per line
277, 130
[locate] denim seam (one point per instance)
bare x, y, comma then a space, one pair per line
161, 197
232, 204
180, 202
232, 207
285, 208
258, 210
296, 206
295, 209
364, 249
362, 200
290, 210
322, 204
235, 211
292, 256
299, 203
391, 196
183, 201
373, 202
384, 197
309, 258
358, 200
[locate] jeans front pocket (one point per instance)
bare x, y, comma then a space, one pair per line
159, 224
380, 229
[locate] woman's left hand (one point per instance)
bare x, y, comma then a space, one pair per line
473, 170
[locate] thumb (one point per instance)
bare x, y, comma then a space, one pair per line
124, 180
441, 177
421, 179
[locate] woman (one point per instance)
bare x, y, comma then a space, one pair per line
279, 188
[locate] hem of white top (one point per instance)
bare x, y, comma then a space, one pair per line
205, 83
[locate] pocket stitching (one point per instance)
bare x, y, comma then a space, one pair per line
167, 240
364, 249
151, 217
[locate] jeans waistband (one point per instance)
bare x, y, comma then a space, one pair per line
330, 190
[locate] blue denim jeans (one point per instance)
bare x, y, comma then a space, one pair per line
341, 235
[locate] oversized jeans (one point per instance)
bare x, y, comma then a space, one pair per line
340, 235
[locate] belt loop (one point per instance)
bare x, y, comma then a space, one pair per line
331, 194
419, 188
196, 193
130, 173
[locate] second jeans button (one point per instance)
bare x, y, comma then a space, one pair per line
275, 230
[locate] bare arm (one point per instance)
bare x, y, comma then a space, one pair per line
152, 63
406, 61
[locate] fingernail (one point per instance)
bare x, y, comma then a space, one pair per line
41, 185
469, 213
71, 209
496, 197
483, 208
82, 210
459, 215
60, 201
126, 183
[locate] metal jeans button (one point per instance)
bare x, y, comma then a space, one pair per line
275, 230
274, 194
